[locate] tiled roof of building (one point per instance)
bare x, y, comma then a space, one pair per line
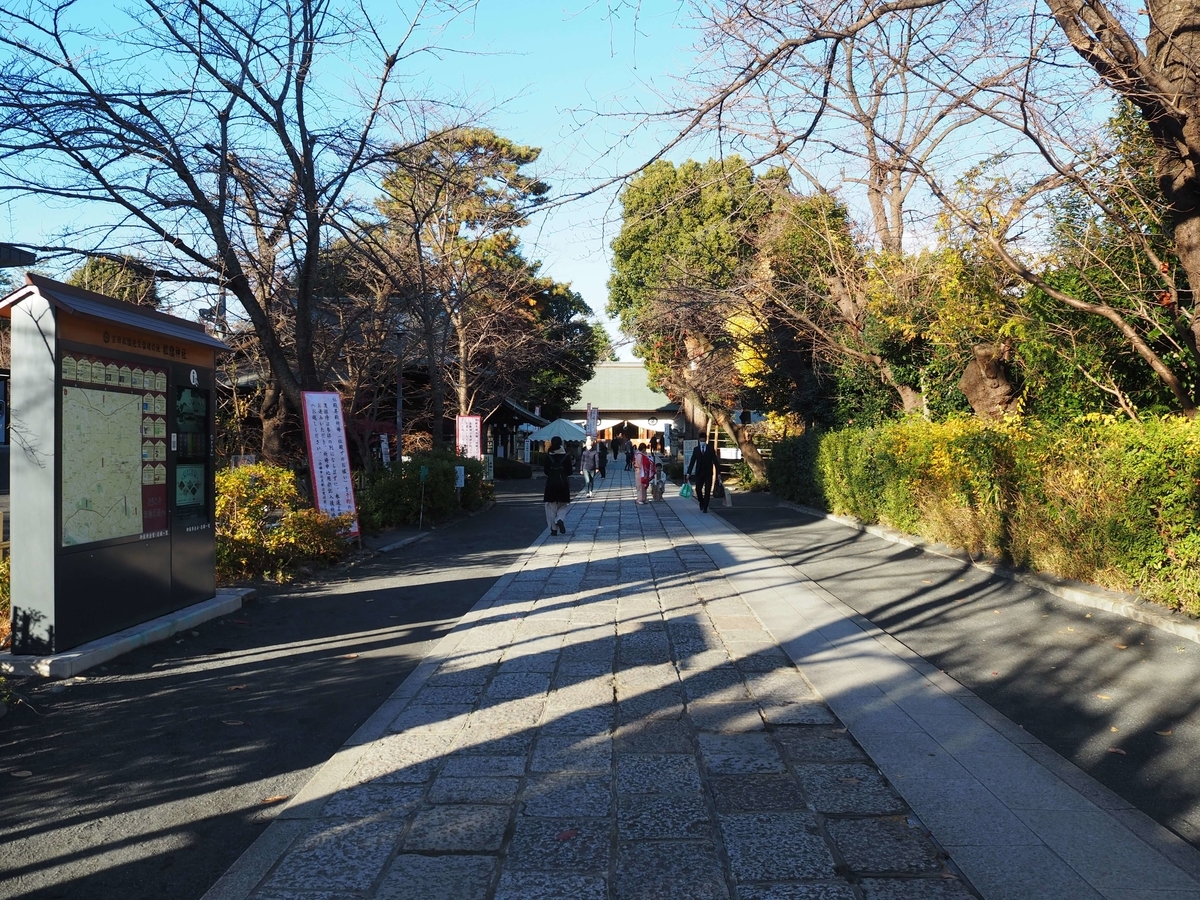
622, 387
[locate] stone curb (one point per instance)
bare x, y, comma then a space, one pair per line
396, 545
1158, 836
292, 822
413, 538
72, 662
1130, 606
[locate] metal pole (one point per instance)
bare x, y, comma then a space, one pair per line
400, 399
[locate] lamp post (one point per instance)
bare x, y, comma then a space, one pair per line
400, 336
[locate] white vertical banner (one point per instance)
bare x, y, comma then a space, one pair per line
328, 455
593, 421
468, 436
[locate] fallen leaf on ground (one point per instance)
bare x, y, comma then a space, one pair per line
1088, 616
1103, 697
995, 673
839, 731
566, 835
232, 722
926, 581
21, 773
1114, 728
1121, 646
1069, 628
240, 621
237, 687
348, 656
850, 780
1117, 750
1169, 731
996, 611
275, 798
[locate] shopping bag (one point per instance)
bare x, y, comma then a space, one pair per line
719, 490
685, 491
727, 499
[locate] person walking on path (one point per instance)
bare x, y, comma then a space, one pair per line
643, 472
557, 494
588, 464
629, 451
704, 462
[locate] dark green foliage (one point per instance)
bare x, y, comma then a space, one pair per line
393, 497
125, 278
511, 468
792, 469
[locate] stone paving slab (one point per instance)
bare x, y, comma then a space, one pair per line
613, 720
1017, 820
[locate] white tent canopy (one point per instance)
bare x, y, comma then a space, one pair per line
650, 423
561, 428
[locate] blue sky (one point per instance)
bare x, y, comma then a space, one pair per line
549, 70
542, 69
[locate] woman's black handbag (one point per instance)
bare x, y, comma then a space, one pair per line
718, 490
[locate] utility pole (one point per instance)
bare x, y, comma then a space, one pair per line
400, 396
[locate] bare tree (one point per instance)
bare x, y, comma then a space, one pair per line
782, 78
225, 141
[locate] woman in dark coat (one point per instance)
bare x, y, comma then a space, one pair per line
558, 485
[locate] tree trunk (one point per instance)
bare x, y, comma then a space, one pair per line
437, 388
986, 386
273, 414
740, 435
464, 387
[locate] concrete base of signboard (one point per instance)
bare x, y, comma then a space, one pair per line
71, 662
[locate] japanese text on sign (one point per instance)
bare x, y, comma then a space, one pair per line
467, 433
328, 457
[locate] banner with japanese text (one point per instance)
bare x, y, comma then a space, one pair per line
468, 436
328, 455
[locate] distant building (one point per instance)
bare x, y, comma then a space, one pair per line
626, 402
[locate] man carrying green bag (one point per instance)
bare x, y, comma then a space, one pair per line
686, 491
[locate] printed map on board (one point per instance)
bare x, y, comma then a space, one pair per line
101, 465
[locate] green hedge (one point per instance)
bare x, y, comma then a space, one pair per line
393, 497
511, 468
1116, 503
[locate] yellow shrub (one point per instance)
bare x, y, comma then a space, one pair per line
265, 529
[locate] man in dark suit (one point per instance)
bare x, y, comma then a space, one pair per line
704, 462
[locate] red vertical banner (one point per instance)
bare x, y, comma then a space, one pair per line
328, 455
468, 436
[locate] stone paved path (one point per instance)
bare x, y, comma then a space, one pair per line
622, 718
617, 724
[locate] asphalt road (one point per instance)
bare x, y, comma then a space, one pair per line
152, 774
1118, 699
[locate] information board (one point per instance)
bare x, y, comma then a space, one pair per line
328, 456
114, 450
468, 435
